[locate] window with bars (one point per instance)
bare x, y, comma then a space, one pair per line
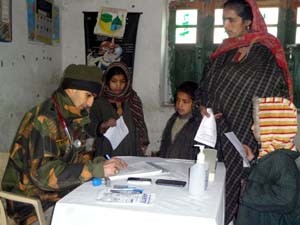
196, 29
297, 41
186, 26
270, 15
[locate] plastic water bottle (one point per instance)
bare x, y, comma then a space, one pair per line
198, 179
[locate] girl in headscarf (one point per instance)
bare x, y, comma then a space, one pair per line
119, 99
271, 194
249, 63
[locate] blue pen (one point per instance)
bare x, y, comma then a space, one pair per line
121, 186
138, 190
124, 191
107, 156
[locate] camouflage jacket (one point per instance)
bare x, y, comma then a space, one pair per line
42, 162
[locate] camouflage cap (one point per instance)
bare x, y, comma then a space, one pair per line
82, 77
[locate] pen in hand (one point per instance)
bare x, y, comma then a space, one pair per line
114, 165
107, 156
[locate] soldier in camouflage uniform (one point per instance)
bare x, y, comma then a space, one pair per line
48, 157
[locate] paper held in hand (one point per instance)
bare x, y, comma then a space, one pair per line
207, 131
116, 134
239, 147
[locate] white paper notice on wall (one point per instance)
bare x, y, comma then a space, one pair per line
116, 134
207, 131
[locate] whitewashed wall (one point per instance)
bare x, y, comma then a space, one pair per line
149, 64
149, 56
29, 72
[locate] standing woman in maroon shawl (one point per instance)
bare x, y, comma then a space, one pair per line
249, 63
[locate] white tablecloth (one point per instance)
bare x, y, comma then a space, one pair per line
172, 205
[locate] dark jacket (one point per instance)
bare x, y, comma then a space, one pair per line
182, 145
272, 193
103, 110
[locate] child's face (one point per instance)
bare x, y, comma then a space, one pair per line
117, 83
183, 104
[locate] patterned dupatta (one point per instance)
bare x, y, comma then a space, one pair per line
129, 95
260, 35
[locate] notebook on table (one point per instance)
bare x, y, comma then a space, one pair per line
138, 169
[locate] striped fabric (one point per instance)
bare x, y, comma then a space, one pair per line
275, 122
229, 86
260, 35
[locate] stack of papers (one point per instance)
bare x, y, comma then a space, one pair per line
138, 169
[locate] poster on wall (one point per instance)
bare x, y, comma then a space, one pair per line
5, 21
43, 25
102, 50
40, 24
111, 22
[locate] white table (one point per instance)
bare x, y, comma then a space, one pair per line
172, 205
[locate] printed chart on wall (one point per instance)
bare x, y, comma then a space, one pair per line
43, 28
43, 21
110, 36
5, 21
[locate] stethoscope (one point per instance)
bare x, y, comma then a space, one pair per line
76, 143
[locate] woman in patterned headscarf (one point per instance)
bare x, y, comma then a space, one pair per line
249, 63
119, 99
271, 194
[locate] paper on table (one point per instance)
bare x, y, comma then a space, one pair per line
239, 147
116, 134
106, 196
138, 169
207, 131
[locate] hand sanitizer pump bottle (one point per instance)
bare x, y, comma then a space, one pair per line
198, 179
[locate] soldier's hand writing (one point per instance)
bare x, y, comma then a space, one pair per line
113, 166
